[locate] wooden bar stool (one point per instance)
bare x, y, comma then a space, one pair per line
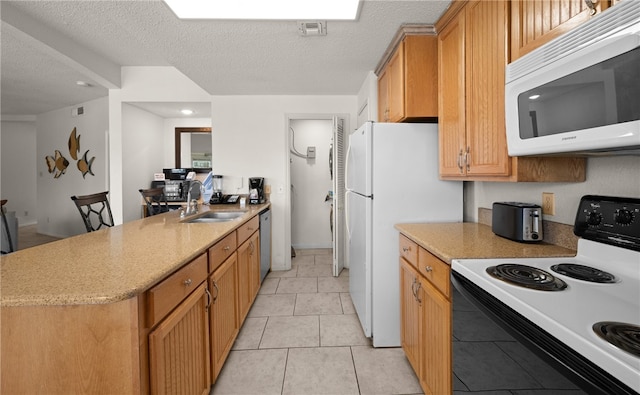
6, 227
94, 209
155, 200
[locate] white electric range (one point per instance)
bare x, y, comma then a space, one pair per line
581, 314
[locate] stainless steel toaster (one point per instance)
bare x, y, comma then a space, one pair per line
517, 221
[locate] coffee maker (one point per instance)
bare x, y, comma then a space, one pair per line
256, 190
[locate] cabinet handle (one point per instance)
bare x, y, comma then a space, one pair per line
592, 6
413, 289
226, 248
187, 282
460, 162
418, 286
250, 229
406, 249
215, 285
428, 269
251, 247
206, 290
467, 160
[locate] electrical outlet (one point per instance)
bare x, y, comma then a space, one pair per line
267, 189
548, 203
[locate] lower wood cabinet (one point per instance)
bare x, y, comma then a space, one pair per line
224, 319
179, 348
248, 273
425, 328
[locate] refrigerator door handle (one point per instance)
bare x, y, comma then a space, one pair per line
346, 167
346, 213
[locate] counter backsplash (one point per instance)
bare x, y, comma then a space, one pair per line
554, 232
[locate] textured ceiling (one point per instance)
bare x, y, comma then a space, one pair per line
223, 57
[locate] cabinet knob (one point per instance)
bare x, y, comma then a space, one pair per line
226, 248
428, 269
187, 282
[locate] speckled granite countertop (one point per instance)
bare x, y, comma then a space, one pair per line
450, 241
112, 264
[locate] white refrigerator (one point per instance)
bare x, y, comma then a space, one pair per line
391, 177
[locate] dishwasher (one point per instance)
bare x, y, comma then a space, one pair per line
265, 243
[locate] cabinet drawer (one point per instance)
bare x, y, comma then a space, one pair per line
409, 250
170, 292
434, 270
221, 251
247, 229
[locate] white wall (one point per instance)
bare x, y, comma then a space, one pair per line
249, 136
57, 214
311, 181
368, 99
18, 168
609, 176
142, 155
142, 84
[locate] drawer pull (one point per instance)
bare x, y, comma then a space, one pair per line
428, 269
227, 248
187, 282
406, 249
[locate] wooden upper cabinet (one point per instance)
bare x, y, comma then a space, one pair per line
486, 58
408, 77
535, 22
473, 51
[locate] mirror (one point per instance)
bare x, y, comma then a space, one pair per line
193, 148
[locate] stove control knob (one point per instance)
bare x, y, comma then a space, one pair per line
594, 218
623, 217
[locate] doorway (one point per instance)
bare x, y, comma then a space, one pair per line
316, 173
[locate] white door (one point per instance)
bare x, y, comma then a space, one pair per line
337, 172
359, 236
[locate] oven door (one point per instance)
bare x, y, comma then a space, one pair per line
564, 359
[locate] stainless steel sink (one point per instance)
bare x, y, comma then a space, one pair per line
217, 216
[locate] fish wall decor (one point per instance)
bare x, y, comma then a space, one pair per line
57, 164
74, 144
84, 165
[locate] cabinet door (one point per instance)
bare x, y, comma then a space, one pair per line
409, 314
224, 319
535, 22
486, 59
396, 89
435, 332
179, 348
451, 88
248, 273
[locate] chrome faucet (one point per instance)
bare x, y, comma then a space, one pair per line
192, 204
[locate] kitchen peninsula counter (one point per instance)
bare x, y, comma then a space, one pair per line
113, 264
467, 240
120, 309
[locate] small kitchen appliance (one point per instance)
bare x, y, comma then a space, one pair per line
577, 94
256, 190
216, 197
517, 221
582, 313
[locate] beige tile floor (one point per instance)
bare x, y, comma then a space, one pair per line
302, 336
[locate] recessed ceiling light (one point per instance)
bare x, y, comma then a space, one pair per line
262, 9
186, 111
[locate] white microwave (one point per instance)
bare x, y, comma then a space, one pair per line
580, 93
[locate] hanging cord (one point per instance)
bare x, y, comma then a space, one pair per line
292, 148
